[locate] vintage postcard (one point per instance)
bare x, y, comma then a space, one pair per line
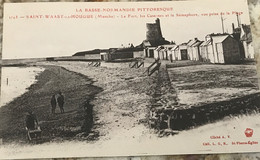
128, 79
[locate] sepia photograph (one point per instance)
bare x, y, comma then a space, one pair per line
128, 79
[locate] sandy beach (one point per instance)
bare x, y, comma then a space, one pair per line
121, 109
121, 97
76, 88
121, 94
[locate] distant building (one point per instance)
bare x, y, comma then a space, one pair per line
173, 56
244, 36
154, 34
164, 52
158, 52
149, 52
222, 48
181, 52
173, 52
88, 55
246, 39
154, 37
196, 51
139, 54
206, 51
50, 59
167, 50
121, 53
193, 49
105, 55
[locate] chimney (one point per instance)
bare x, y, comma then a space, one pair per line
233, 27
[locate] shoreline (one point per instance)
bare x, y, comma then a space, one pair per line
37, 98
11, 87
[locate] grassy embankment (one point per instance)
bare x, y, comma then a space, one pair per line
212, 92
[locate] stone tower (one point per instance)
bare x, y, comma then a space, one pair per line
154, 34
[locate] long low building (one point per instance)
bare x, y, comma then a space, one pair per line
122, 53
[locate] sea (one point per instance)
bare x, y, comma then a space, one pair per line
15, 81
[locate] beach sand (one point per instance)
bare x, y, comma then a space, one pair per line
120, 97
76, 89
121, 109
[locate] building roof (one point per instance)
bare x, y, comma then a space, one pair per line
146, 44
169, 45
196, 44
83, 53
192, 42
123, 50
103, 53
205, 43
174, 48
219, 39
159, 48
183, 44
165, 49
208, 42
151, 47
149, 43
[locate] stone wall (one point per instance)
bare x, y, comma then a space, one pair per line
167, 113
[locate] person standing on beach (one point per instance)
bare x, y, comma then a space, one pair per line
53, 104
31, 121
60, 100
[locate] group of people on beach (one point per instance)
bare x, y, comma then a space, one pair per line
31, 121
57, 99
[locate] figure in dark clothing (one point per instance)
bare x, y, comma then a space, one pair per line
32, 126
60, 100
53, 104
31, 121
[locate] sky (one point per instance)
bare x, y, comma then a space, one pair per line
40, 37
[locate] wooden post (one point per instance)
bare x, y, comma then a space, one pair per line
169, 121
